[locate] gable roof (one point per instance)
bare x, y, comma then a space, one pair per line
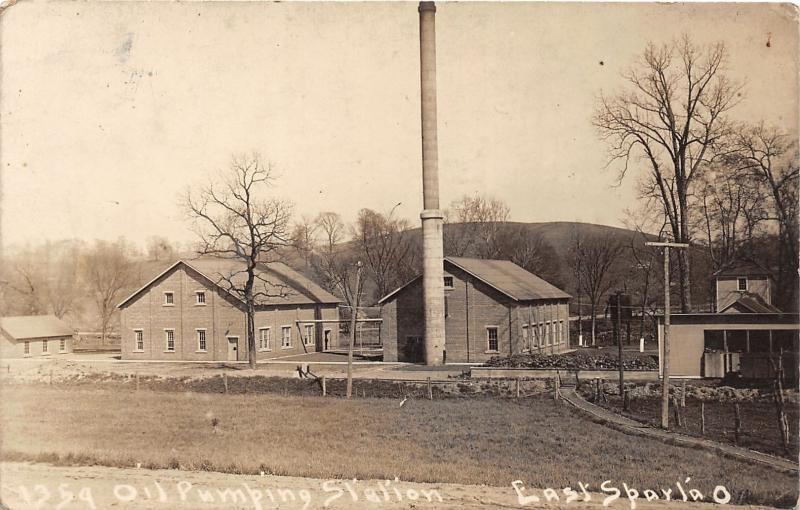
742, 267
284, 285
505, 277
34, 326
751, 303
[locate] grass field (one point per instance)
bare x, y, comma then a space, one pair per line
760, 431
475, 441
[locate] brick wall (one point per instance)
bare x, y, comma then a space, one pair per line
471, 308
220, 317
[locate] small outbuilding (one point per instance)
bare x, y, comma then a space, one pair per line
34, 335
743, 338
492, 308
743, 286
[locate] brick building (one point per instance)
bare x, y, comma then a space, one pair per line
33, 336
492, 307
187, 313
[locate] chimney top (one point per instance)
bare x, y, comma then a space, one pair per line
427, 6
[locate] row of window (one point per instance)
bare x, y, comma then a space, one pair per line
753, 340
62, 346
199, 298
264, 338
543, 333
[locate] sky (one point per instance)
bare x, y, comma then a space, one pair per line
110, 110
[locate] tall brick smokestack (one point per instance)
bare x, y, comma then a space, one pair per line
432, 218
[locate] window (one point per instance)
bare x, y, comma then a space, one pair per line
759, 340
562, 332
737, 340
448, 282
200, 297
784, 340
526, 346
491, 338
286, 337
308, 338
138, 337
62, 346
27, 347
44, 346
169, 298
170, 337
742, 284
713, 340
201, 340
263, 339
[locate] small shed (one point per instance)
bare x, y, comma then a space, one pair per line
34, 335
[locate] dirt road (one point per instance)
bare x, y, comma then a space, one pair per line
39, 487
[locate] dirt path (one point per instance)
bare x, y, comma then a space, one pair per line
39, 486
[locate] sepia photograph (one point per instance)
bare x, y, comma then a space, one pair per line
368, 255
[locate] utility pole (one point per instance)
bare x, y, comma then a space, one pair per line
353, 317
580, 310
665, 343
618, 296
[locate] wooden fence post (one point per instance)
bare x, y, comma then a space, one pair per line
783, 423
683, 393
596, 389
577, 381
324, 388
702, 418
518, 385
430, 390
626, 400
556, 389
677, 411
225, 381
737, 423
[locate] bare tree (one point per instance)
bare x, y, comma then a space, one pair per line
160, 248
730, 203
29, 287
45, 279
594, 259
236, 219
771, 156
386, 248
672, 116
529, 251
340, 272
108, 271
334, 261
480, 221
645, 279
64, 287
303, 238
